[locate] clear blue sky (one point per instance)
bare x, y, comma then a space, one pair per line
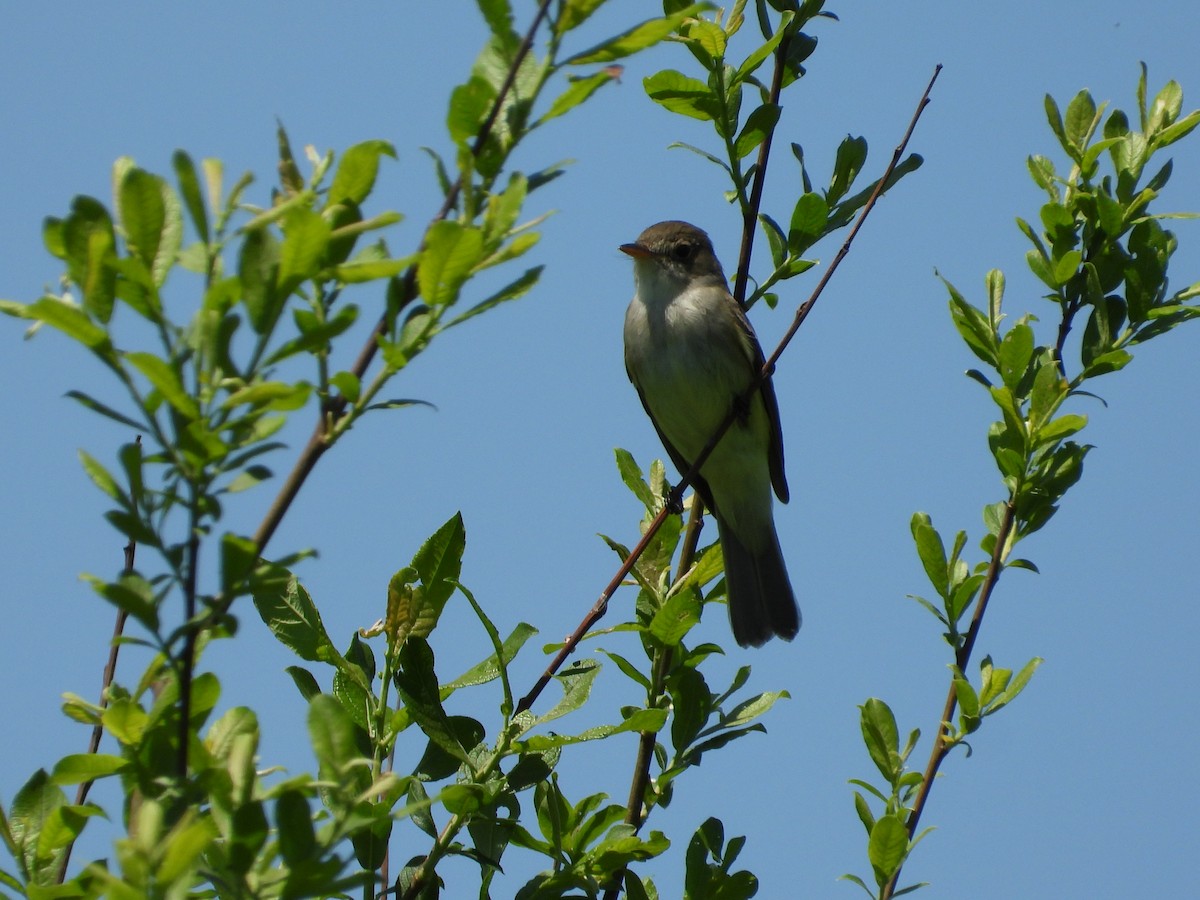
1085, 786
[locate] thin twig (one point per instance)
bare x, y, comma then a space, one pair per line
110, 671
662, 668
750, 220
188, 662
601, 605
961, 658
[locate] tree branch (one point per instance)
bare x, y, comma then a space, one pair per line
961, 658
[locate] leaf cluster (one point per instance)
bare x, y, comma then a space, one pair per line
719, 98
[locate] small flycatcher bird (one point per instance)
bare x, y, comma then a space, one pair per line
691, 354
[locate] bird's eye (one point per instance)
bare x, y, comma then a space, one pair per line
683, 251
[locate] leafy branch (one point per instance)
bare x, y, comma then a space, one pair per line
1100, 250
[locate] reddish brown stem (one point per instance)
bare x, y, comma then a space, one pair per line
961, 658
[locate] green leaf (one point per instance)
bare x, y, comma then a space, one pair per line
1060, 428
469, 105
315, 337
1042, 171
1066, 266
627, 668
809, 218
994, 280
189, 186
417, 681
1166, 108
681, 94
1180, 129
164, 379
102, 478
152, 220
305, 681
66, 317
749, 710
439, 561
288, 610
881, 737
32, 809
1016, 685
125, 720
676, 617
90, 247
258, 272
347, 384
887, 846
1054, 118
851, 155
79, 767
759, 124
932, 552
1079, 123
706, 40
576, 681
973, 327
514, 290
293, 819
1015, 354
760, 55
360, 271
574, 13
1047, 393
776, 241
578, 90
489, 669
715, 160
451, 252
637, 38
131, 593
306, 238
357, 170
631, 476
643, 720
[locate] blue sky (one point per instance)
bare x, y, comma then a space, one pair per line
1085, 785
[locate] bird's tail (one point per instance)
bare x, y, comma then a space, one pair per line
761, 602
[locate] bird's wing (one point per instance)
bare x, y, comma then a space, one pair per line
770, 403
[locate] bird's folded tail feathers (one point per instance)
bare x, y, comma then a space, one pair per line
761, 602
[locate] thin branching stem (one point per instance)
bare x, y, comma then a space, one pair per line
941, 746
110, 671
635, 805
750, 218
187, 662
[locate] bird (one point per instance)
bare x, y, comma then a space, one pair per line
691, 354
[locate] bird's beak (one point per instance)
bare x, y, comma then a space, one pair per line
637, 251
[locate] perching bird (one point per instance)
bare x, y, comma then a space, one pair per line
691, 354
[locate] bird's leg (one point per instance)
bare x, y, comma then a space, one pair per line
673, 500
